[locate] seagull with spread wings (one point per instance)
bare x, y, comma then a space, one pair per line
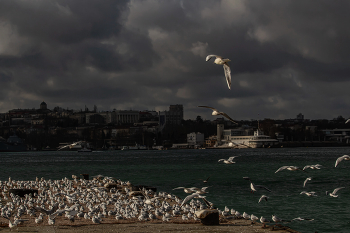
15, 222
222, 61
216, 112
289, 168
333, 194
254, 187
189, 197
229, 160
70, 145
344, 157
306, 180
316, 166
263, 197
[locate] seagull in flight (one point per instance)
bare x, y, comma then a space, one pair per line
47, 212
302, 219
310, 194
15, 222
253, 186
333, 194
289, 168
216, 112
306, 180
187, 190
189, 197
316, 166
344, 157
229, 160
263, 197
70, 145
206, 180
222, 61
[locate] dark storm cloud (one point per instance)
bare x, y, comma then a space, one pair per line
286, 56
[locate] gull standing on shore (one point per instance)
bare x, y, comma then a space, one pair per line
277, 219
264, 221
222, 61
216, 112
344, 157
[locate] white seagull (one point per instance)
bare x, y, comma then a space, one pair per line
15, 222
316, 166
333, 194
206, 180
263, 197
289, 168
47, 212
187, 190
189, 197
307, 179
229, 160
216, 112
264, 221
344, 157
277, 219
310, 194
253, 186
70, 145
222, 61
302, 219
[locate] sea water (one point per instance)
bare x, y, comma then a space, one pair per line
169, 169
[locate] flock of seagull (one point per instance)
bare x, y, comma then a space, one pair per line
103, 199
91, 200
106, 199
255, 188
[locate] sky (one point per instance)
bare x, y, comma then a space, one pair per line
287, 57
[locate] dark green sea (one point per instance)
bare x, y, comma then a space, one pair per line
168, 169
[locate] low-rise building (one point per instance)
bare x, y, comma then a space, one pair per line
340, 135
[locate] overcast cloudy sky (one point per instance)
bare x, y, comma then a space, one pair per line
287, 57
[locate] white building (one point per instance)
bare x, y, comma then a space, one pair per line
340, 135
246, 138
194, 139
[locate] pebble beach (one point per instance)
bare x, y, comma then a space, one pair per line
107, 204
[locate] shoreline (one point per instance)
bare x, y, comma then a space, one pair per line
237, 225
106, 204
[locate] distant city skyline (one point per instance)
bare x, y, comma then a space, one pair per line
287, 57
43, 105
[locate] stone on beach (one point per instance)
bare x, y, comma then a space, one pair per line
208, 216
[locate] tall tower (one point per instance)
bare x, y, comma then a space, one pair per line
43, 105
219, 130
